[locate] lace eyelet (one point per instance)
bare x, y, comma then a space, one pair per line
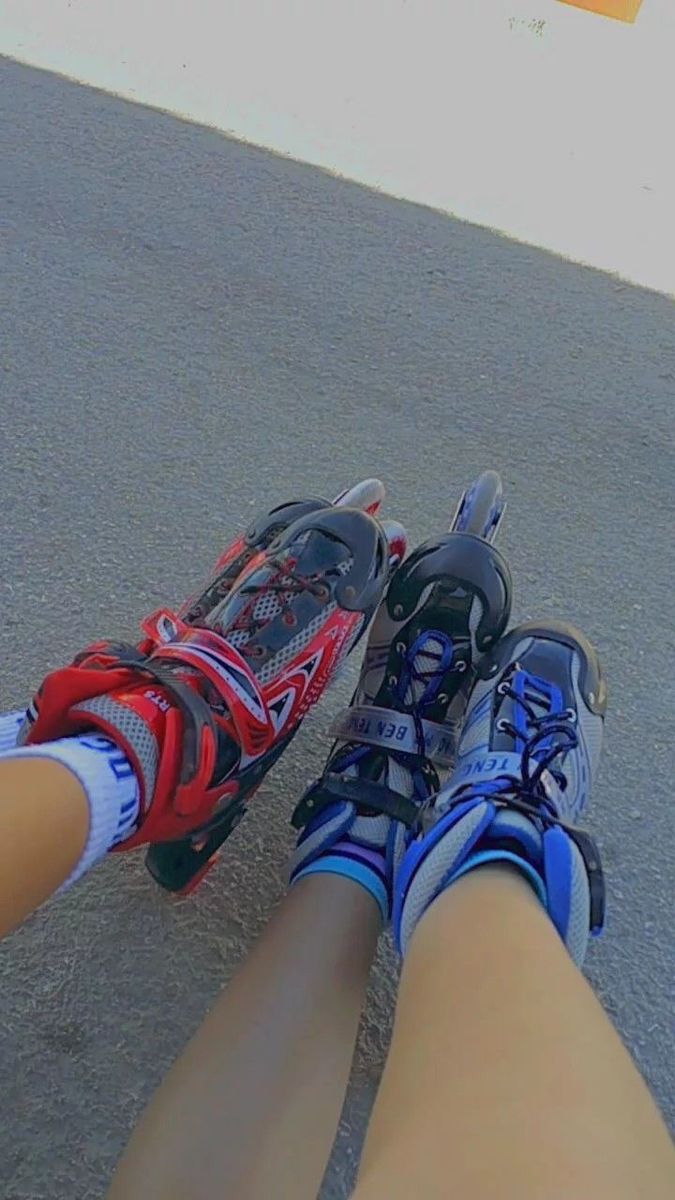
570, 714
290, 620
461, 666
502, 689
502, 726
443, 698
401, 648
393, 680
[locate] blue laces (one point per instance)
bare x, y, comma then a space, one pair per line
543, 739
430, 677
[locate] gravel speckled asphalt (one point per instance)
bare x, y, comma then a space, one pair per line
191, 329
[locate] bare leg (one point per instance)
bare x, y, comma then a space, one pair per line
44, 822
251, 1108
506, 1080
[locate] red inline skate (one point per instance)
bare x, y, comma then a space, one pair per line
207, 702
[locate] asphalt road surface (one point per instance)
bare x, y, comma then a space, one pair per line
192, 329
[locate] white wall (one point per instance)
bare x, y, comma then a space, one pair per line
538, 119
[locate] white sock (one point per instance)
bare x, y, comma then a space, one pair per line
10, 724
109, 782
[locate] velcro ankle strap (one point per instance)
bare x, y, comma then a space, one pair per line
398, 732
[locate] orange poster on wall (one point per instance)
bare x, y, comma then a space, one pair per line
623, 10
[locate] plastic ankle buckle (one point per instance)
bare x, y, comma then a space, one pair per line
333, 789
596, 879
199, 736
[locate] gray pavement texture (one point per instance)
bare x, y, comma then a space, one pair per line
192, 329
